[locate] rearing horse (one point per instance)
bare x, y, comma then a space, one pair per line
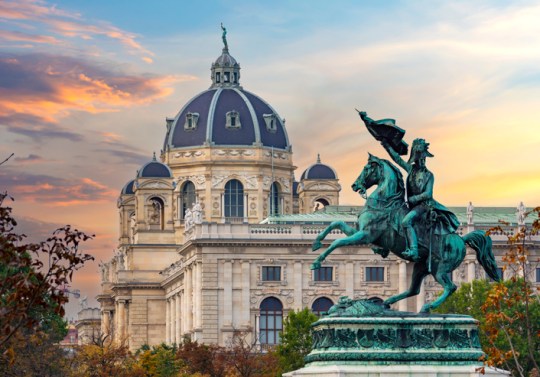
379, 224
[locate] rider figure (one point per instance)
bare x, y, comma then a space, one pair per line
419, 190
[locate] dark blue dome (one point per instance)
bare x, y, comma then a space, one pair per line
227, 116
155, 169
319, 171
129, 188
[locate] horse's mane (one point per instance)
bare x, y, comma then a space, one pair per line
399, 176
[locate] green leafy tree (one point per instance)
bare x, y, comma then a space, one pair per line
159, 361
296, 339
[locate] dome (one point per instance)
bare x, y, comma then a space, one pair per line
154, 169
319, 171
129, 188
226, 115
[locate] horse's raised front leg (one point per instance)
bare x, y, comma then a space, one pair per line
348, 230
357, 238
449, 288
418, 275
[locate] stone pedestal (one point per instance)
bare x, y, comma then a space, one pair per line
364, 338
362, 370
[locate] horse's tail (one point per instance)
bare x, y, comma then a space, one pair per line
482, 245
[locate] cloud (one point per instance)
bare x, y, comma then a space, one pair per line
54, 191
39, 89
23, 37
66, 24
30, 159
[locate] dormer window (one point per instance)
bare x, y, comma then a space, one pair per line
271, 122
226, 76
233, 120
191, 121
218, 77
235, 75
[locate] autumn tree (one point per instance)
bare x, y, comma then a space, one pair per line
245, 358
508, 311
202, 359
513, 310
31, 275
296, 339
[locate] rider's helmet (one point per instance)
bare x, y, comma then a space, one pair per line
419, 150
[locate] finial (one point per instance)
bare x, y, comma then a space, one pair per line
224, 37
154, 158
318, 158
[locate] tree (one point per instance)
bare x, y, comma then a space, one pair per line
245, 359
159, 361
513, 310
109, 360
296, 340
202, 359
31, 276
508, 311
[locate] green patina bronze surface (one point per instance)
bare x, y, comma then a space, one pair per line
364, 332
404, 218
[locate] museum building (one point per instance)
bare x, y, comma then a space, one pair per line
216, 235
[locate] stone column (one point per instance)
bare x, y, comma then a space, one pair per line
246, 305
197, 295
222, 204
257, 330
402, 305
471, 271
188, 299
178, 334
173, 320
245, 207
349, 279
227, 293
298, 285
121, 320
105, 322
167, 321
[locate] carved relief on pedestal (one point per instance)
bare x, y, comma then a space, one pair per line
234, 152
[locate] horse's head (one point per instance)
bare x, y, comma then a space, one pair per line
370, 175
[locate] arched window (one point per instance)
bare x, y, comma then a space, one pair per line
234, 199
321, 305
188, 197
320, 204
274, 199
156, 213
271, 320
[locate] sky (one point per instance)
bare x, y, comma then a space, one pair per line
85, 88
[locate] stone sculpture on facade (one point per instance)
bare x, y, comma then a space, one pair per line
188, 219
470, 213
521, 214
390, 213
197, 213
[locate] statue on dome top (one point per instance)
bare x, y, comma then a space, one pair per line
224, 37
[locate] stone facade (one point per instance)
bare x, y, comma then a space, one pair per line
217, 235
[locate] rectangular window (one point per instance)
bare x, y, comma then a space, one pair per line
323, 274
374, 273
500, 272
271, 273
218, 77
538, 275
226, 76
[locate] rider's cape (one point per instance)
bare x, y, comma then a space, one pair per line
447, 221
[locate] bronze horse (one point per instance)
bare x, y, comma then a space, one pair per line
379, 224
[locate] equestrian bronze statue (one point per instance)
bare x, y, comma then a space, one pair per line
405, 219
